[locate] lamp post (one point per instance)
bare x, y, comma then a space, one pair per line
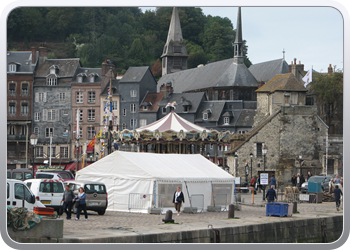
251, 165
236, 158
300, 159
33, 142
264, 151
208, 155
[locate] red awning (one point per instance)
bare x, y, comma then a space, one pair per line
71, 166
89, 150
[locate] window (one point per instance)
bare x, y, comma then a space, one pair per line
22, 192
205, 116
24, 88
39, 151
53, 150
24, 108
143, 122
40, 97
91, 115
92, 78
123, 126
64, 151
12, 108
12, 130
164, 110
79, 97
226, 120
80, 79
12, 88
90, 133
51, 81
145, 107
124, 112
259, 150
48, 132
115, 105
133, 93
36, 131
309, 100
80, 132
132, 125
132, 108
23, 130
51, 114
62, 97
91, 96
12, 67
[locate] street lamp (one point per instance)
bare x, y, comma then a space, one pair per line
33, 142
208, 155
251, 165
264, 151
236, 158
300, 159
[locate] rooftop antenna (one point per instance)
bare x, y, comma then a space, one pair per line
283, 54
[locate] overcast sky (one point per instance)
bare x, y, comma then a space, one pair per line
312, 35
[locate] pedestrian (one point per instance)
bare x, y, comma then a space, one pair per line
81, 203
308, 175
273, 181
298, 181
252, 183
337, 193
178, 199
257, 185
302, 180
67, 200
271, 195
341, 181
336, 180
294, 180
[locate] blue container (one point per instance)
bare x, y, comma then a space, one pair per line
314, 187
277, 209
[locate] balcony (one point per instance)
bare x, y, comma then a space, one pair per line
16, 137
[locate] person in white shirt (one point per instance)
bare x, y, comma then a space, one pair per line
178, 199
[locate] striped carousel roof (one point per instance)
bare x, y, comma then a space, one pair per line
174, 122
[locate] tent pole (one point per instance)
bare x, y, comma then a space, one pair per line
188, 194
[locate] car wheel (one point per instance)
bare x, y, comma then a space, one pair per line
101, 212
74, 209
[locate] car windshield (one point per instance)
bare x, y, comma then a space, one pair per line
316, 179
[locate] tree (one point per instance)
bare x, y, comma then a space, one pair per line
328, 90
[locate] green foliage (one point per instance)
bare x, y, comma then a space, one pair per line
124, 35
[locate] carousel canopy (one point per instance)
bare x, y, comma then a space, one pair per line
174, 122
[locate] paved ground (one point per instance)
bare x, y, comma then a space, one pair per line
131, 221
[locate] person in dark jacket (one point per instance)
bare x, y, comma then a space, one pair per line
67, 200
273, 181
271, 195
337, 192
82, 203
178, 199
294, 180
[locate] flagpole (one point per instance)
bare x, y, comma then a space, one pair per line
77, 135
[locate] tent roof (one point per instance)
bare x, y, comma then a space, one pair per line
150, 166
174, 122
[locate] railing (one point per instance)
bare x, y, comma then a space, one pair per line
144, 201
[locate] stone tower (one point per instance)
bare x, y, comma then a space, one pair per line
174, 57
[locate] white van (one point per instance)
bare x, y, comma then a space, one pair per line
19, 195
48, 191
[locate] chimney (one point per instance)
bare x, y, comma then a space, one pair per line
330, 69
33, 55
167, 89
42, 54
106, 65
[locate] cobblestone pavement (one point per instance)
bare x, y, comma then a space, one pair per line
129, 220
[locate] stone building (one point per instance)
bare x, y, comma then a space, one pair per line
289, 129
21, 66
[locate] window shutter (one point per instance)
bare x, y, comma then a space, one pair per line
57, 113
45, 95
44, 114
36, 97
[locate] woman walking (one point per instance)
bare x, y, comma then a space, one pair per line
178, 199
82, 203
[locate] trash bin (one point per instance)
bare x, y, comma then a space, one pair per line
277, 209
290, 209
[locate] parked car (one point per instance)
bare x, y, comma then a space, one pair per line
48, 191
20, 174
66, 175
324, 180
96, 195
19, 195
48, 175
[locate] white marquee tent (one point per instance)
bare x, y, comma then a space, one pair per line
137, 181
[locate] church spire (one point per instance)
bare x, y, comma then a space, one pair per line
238, 44
174, 57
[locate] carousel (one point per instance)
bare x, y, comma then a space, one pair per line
170, 135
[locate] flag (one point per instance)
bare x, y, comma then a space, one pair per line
99, 134
308, 77
92, 143
77, 127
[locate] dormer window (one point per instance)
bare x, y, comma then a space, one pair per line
12, 67
205, 116
227, 117
92, 77
80, 77
51, 81
54, 69
187, 105
226, 120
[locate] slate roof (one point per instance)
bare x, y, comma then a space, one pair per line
267, 70
67, 67
216, 108
87, 72
180, 98
134, 74
246, 118
115, 88
285, 82
23, 59
225, 73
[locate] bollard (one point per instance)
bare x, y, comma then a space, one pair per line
168, 217
231, 211
295, 207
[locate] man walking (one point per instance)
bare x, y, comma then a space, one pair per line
337, 193
67, 199
271, 195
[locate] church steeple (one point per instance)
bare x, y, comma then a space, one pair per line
174, 57
238, 44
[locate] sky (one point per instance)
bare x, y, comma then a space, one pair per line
312, 35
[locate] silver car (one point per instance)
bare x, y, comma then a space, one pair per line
96, 195
324, 180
